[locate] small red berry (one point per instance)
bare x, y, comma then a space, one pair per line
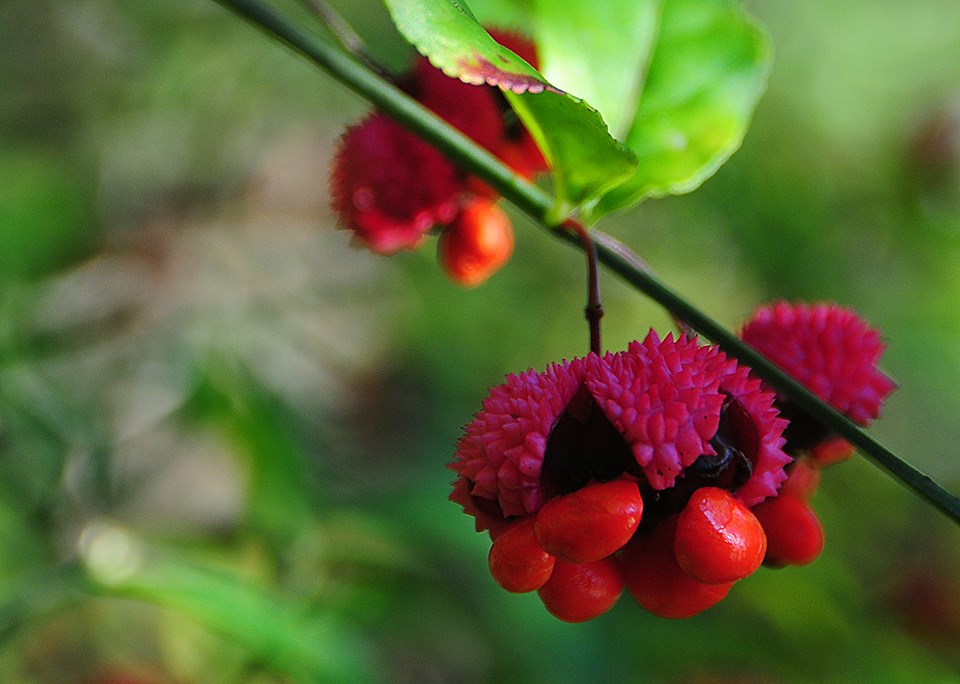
718, 539
477, 244
590, 523
803, 478
831, 451
517, 561
656, 582
794, 533
577, 592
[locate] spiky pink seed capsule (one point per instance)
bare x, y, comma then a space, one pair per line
501, 453
830, 350
390, 187
650, 411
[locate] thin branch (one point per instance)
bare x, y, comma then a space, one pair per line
613, 254
349, 39
594, 308
632, 261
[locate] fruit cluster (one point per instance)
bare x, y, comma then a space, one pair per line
581, 549
392, 188
665, 469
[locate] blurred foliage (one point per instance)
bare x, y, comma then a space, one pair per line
223, 431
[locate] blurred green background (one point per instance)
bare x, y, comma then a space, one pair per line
223, 430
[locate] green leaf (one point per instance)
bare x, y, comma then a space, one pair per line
29, 597
708, 70
599, 50
504, 14
585, 160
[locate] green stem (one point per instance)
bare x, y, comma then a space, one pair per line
538, 204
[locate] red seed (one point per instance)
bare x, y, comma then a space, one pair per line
590, 523
794, 533
477, 244
577, 592
517, 561
656, 582
803, 478
718, 539
831, 451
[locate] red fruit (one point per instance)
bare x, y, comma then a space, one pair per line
830, 350
590, 523
831, 451
390, 187
794, 532
656, 581
718, 539
803, 478
577, 592
517, 561
478, 243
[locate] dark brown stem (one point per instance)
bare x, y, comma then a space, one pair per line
594, 308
